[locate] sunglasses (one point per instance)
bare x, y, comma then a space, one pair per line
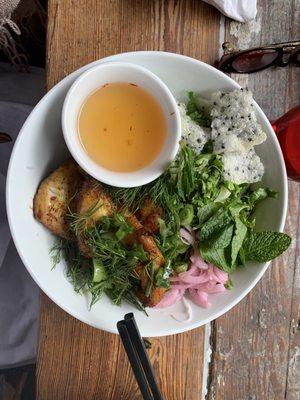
259, 58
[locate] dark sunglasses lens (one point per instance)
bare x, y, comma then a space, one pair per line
254, 60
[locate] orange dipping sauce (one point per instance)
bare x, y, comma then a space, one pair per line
122, 127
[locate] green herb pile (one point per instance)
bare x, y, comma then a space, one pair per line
192, 192
112, 270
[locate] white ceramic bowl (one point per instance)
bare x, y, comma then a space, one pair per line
113, 72
40, 148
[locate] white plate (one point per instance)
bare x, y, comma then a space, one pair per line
40, 148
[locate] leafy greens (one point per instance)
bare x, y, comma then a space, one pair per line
192, 193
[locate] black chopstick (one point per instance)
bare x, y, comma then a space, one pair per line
134, 361
138, 358
143, 355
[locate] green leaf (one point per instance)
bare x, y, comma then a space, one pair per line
200, 117
174, 246
163, 230
265, 246
186, 215
99, 271
216, 257
124, 228
138, 253
215, 223
229, 284
260, 194
242, 259
206, 211
236, 207
224, 193
237, 240
186, 172
221, 240
163, 275
183, 267
151, 271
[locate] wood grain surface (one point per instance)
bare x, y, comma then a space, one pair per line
76, 361
256, 346
85, 30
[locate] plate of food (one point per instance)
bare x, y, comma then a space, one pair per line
169, 199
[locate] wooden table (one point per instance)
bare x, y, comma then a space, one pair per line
255, 348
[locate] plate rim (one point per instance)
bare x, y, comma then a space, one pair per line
183, 327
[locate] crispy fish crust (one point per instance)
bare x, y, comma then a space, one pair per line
54, 198
66, 189
150, 214
157, 293
148, 208
142, 236
93, 203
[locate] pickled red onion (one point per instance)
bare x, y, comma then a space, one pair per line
200, 280
188, 237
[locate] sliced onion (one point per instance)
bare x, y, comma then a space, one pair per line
199, 297
187, 237
210, 287
201, 279
197, 261
221, 276
170, 298
194, 278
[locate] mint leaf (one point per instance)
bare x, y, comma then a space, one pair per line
238, 238
242, 259
236, 207
215, 223
265, 246
222, 239
205, 212
216, 257
184, 172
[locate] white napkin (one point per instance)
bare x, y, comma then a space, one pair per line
240, 10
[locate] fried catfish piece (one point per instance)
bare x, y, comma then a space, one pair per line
153, 251
132, 221
54, 198
140, 235
150, 215
151, 223
93, 203
157, 293
148, 208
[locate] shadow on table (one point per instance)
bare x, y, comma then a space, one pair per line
18, 383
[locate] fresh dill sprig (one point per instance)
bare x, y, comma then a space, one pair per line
118, 260
133, 198
56, 252
80, 222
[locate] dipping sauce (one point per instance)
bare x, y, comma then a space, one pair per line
122, 127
